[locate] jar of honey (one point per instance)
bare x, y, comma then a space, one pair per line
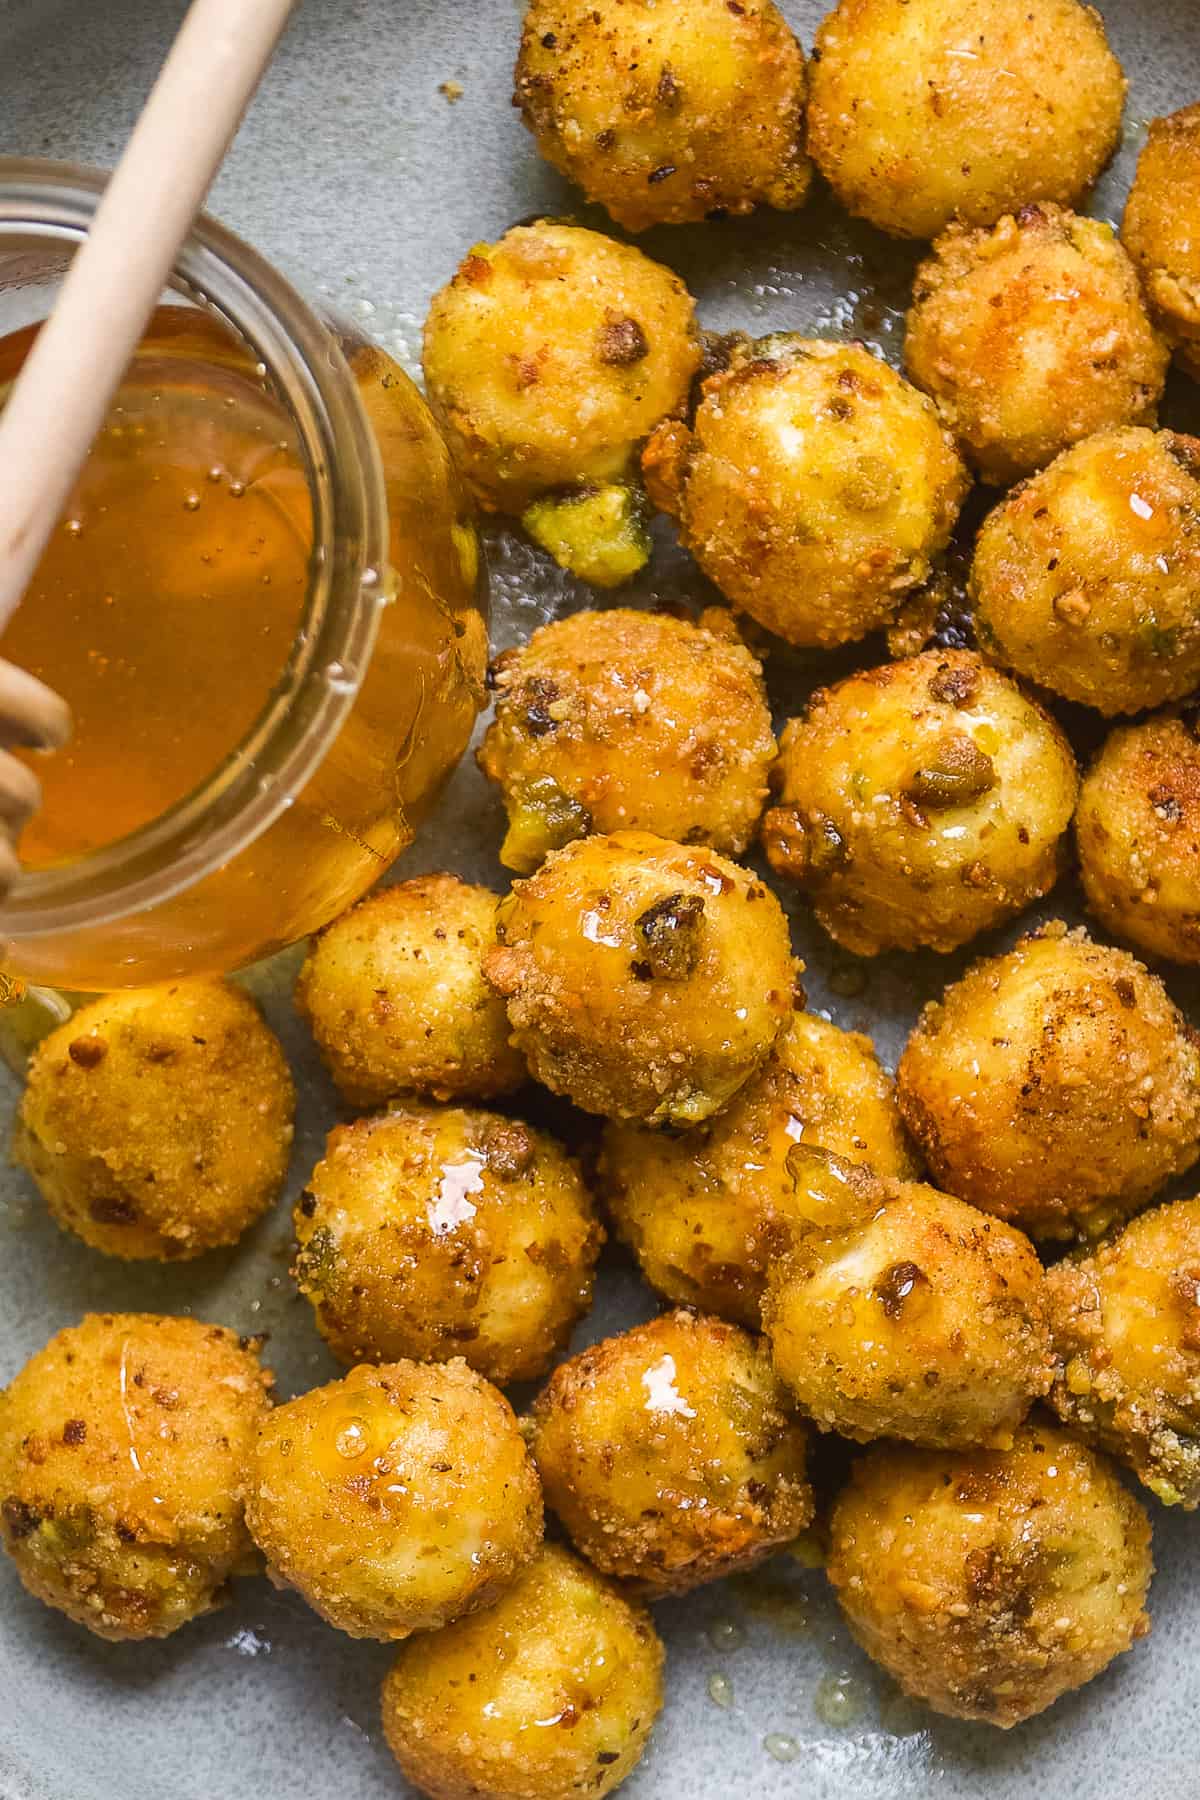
264, 605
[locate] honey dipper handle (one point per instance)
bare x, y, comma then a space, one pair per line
59, 400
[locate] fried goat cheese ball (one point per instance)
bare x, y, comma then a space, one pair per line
394, 995
549, 358
667, 111
1137, 829
1126, 1324
435, 1232
1086, 579
1030, 335
644, 980
815, 486
550, 1692
157, 1122
922, 1318
672, 1454
1057, 1086
125, 1450
705, 1212
1161, 229
988, 1583
924, 111
620, 721
395, 1499
921, 803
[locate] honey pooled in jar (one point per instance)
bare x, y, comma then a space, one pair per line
165, 607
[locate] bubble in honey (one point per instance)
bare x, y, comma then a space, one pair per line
216, 472
236, 489
726, 1634
839, 1700
352, 1441
720, 1690
783, 1748
191, 502
74, 528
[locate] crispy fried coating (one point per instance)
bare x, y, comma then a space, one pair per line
1161, 228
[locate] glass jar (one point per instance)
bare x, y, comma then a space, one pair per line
384, 679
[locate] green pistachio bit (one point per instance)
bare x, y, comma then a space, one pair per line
670, 938
960, 773
825, 845
598, 534
541, 818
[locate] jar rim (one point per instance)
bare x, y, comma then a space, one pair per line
349, 579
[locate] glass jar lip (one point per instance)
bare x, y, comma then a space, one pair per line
349, 581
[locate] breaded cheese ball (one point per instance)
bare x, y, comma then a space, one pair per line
550, 356
395, 1499
672, 1454
923, 111
1057, 1086
1161, 228
157, 1122
988, 1583
1030, 335
1086, 579
125, 1450
666, 111
705, 1212
394, 995
550, 1692
1126, 1324
435, 1232
619, 721
1138, 833
814, 488
644, 979
921, 803
923, 1319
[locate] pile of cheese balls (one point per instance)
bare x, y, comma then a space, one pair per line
764, 1169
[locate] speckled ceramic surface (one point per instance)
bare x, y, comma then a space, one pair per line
358, 177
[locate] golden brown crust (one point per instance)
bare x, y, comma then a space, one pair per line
1086, 579
644, 980
394, 994
670, 112
1031, 335
921, 803
1138, 832
1057, 1086
628, 721
1161, 229
519, 367
924, 1320
125, 1450
1126, 1323
897, 104
990, 1582
157, 1122
816, 488
433, 1233
552, 1691
705, 1212
396, 1499
672, 1454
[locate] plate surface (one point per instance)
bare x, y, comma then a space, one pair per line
358, 177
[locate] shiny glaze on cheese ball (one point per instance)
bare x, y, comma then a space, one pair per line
1057, 1086
644, 979
666, 111
988, 1583
1086, 579
125, 1451
923, 111
435, 1232
672, 1454
1126, 1324
1030, 335
921, 803
550, 1692
704, 1212
395, 1499
628, 721
815, 486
